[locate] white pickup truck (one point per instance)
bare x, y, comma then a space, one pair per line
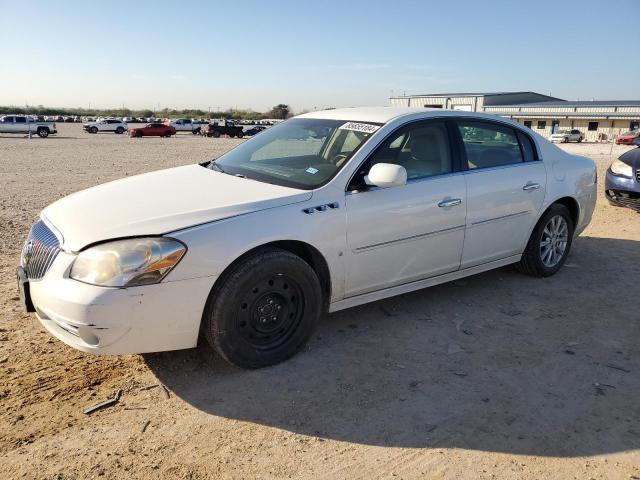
25, 124
184, 125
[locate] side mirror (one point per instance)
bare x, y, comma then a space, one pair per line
386, 175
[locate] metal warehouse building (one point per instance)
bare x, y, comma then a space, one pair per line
597, 119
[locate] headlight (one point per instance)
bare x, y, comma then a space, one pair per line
128, 263
620, 168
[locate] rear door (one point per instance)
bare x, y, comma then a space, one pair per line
20, 124
505, 190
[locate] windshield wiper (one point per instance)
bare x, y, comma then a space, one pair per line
217, 167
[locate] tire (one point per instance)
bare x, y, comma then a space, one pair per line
565, 140
119, 130
240, 135
139, 134
93, 130
264, 309
196, 131
580, 140
43, 132
533, 259
215, 134
167, 135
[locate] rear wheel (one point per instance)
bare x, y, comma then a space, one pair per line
240, 134
549, 244
43, 132
119, 130
264, 310
215, 134
139, 134
580, 140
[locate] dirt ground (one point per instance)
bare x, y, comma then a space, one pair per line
495, 376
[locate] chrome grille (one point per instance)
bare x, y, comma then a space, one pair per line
39, 251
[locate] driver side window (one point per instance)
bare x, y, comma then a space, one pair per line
423, 149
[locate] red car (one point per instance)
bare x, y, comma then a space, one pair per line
153, 130
627, 138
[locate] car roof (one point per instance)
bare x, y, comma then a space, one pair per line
386, 114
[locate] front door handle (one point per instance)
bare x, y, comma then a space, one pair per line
531, 186
450, 203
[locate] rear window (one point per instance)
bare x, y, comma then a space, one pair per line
528, 148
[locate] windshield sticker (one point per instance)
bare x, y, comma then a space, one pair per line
360, 127
312, 170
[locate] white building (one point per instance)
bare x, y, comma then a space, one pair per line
597, 119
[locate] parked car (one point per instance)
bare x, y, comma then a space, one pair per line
622, 183
153, 130
565, 136
251, 249
253, 130
106, 125
24, 124
218, 128
627, 138
184, 125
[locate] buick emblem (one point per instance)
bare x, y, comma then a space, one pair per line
27, 253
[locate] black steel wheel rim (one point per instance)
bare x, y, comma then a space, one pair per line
270, 312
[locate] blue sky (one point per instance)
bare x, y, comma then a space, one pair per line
311, 54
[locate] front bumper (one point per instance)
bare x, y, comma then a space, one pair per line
622, 191
102, 320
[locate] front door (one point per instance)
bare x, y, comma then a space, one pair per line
505, 190
402, 234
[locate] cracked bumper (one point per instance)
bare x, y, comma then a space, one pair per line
101, 320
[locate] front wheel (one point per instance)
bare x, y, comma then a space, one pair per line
549, 244
93, 130
240, 134
580, 140
264, 310
216, 134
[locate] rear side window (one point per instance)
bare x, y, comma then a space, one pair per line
489, 145
528, 148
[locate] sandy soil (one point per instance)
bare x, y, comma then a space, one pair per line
494, 376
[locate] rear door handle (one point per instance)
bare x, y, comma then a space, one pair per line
531, 186
450, 203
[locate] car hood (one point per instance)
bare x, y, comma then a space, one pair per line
160, 202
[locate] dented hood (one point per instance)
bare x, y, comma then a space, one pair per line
160, 202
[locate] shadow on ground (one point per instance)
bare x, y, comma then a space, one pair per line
496, 362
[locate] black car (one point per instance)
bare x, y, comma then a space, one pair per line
253, 130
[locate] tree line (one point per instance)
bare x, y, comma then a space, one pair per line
280, 111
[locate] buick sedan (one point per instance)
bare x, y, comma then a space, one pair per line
322, 212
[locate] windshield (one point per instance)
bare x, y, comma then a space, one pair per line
300, 153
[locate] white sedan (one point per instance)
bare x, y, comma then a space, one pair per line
106, 125
323, 212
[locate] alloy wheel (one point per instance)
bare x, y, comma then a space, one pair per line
553, 243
